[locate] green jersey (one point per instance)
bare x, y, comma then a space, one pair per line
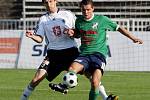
93, 33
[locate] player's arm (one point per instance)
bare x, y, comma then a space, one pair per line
129, 35
36, 38
72, 33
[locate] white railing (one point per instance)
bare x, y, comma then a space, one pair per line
12, 24
117, 8
9, 24
130, 24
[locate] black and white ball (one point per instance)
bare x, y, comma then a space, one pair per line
70, 79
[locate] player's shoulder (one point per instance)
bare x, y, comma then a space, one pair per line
44, 16
65, 12
100, 16
79, 18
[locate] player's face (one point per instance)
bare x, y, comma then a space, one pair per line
50, 4
87, 11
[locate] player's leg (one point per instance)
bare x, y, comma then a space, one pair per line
39, 76
70, 55
62, 88
94, 93
96, 78
97, 64
104, 95
102, 91
75, 67
56, 87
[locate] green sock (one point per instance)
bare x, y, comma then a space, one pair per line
93, 94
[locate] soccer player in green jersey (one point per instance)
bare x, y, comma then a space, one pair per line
92, 30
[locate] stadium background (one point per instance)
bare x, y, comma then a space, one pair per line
127, 72
16, 51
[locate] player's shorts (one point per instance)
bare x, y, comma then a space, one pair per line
60, 60
92, 62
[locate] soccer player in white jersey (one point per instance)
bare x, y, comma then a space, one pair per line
61, 49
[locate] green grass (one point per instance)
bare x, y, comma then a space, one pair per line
128, 85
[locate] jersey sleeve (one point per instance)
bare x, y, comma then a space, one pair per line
110, 25
70, 21
39, 30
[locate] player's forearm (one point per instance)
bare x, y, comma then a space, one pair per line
37, 38
126, 33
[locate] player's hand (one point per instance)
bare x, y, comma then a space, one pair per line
29, 33
70, 32
137, 40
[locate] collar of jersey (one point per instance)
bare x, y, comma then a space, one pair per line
90, 18
51, 14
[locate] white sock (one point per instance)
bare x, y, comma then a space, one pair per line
102, 92
27, 92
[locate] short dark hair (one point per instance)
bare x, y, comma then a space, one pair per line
86, 2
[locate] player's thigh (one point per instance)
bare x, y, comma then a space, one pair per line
97, 61
53, 71
76, 67
96, 76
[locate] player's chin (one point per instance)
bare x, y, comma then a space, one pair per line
87, 17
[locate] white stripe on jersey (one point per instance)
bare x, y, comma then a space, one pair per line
52, 26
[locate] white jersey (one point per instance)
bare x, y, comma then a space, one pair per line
52, 27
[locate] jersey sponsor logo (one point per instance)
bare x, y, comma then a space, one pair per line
86, 36
88, 32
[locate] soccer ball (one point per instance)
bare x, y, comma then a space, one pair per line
70, 79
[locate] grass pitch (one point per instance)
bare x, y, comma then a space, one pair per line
128, 85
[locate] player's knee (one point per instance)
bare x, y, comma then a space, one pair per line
44, 65
76, 67
95, 83
71, 68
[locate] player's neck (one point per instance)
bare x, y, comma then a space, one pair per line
54, 10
